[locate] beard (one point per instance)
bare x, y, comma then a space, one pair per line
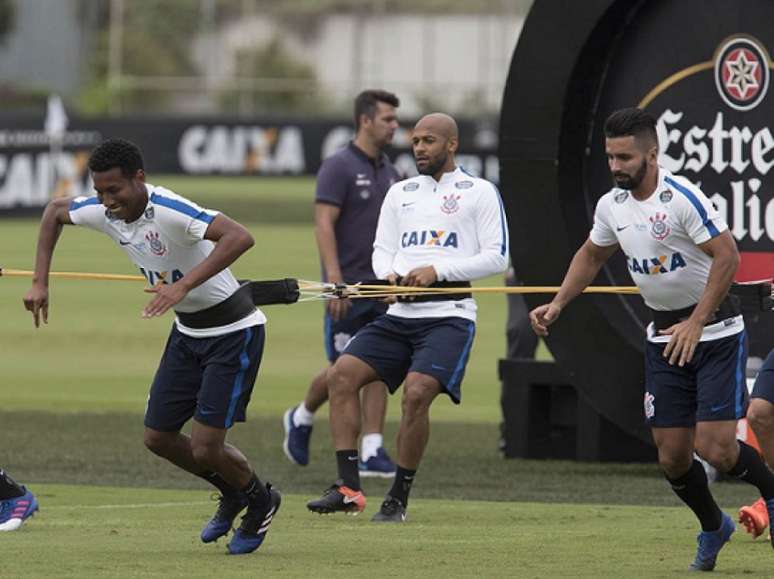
433, 165
630, 182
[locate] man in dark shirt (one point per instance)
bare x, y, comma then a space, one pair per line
351, 186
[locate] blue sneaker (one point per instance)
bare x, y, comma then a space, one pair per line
255, 524
710, 544
296, 445
223, 520
13, 512
379, 465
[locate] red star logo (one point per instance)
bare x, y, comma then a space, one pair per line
742, 74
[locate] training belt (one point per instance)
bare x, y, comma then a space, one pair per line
242, 303
730, 307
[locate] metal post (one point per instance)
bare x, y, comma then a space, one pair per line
115, 55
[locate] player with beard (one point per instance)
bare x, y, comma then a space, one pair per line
683, 259
441, 227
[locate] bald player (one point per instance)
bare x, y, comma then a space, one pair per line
441, 228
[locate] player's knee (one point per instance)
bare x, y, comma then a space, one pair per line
157, 442
340, 380
760, 416
206, 455
416, 398
720, 454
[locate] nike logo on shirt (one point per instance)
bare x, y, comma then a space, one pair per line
621, 228
125, 242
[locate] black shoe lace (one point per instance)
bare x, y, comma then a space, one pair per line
228, 507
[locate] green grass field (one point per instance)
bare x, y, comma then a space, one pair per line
72, 396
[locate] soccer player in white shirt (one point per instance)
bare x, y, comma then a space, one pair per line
443, 226
213, 353
683, 258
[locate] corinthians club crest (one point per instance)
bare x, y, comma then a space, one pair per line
659, 228
450, 204
157, 247
742, 72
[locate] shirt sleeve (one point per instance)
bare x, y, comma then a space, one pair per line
331, 184
184, 221
699, 217
88, 212
492, 232
603, 232
386, 239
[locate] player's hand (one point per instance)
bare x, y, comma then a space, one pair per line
36, 301
393, 280
166, 297
543, 316
684, 336
338, 308
420, 277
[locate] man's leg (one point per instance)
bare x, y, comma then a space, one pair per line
419, 391
298, 421
689, 482
760, 417
374, 460
345, 379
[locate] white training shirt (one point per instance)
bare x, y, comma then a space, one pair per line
659, 237
457, 225
167, 242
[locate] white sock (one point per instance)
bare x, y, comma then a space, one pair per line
302, 416
369, 445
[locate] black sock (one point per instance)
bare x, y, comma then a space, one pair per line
347, 462
751, 469
256, 492
8, 487
219, 483
401, 485
694, 491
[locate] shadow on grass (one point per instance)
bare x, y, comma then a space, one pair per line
461, 462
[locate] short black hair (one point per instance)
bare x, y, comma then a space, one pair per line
365, 103
631, 122
116, 153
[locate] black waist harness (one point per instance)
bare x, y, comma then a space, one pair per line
729, 308
237, 306
242, 303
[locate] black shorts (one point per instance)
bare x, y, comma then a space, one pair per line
764, 383
337, 334
711, 387
210, 379
438, 347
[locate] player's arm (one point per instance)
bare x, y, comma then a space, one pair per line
325, 217
686, 334
55, 216
584, 267
231, 240
386, 240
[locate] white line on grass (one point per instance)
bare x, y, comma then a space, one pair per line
128, 506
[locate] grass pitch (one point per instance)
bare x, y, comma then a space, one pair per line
72, 396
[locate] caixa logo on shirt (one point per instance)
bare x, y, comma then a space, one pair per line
436, 237
155, 277
656, 265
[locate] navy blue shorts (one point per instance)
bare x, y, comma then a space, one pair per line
210, 379
711, 387
337, 334
764, 383
439, 347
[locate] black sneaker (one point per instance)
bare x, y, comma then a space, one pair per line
223, 520
391, 511
255, 524
338, 498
